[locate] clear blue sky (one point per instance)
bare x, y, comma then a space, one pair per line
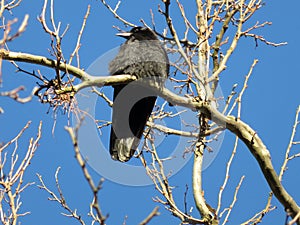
269, 107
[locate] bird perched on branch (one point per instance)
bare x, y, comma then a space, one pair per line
142, 56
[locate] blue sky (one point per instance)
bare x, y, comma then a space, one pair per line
269, 107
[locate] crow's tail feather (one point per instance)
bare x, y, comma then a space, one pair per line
128, 124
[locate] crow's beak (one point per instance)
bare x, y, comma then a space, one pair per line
124, 34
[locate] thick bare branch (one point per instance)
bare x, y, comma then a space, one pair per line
238, 127
198, 192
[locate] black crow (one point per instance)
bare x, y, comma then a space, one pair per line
143, 56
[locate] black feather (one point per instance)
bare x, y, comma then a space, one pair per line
143, 56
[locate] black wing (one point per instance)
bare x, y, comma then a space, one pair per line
128, 122
133, 103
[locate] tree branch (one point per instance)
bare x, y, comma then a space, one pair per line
95, 206
150, 216
250, 138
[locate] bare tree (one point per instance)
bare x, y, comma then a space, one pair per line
202, 52
12, 172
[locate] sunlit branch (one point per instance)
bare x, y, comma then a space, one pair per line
226, 175
12, 176
233, 201
231, 48
150, 216
14, 94
95, 207
290, 145
155, 171
60, 198
238, 127
116, 15
78, 44
257, 218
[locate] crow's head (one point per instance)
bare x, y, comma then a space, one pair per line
139, 33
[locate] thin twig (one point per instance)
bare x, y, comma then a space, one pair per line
95, 189
60, 198
291, 143
233, 201
116, 15
78, 44
228, 166
150, 216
